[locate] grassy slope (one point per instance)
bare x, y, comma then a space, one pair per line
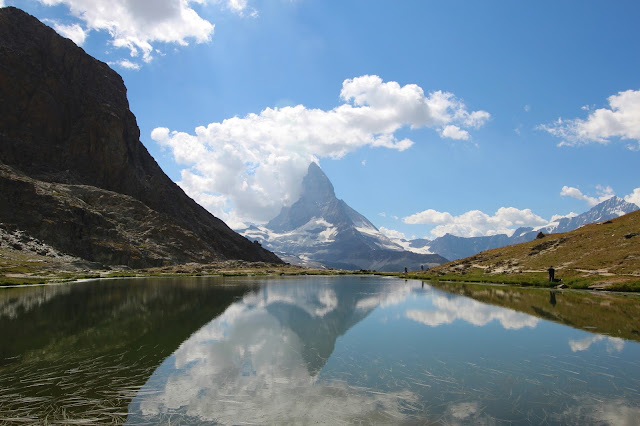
601, 255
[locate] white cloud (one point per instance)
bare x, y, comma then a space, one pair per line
257, 162
73, 32
240, 7
604, 193
392, 233
557, 217
620, 120
475, 223
527, 108
454, 132
135, 25
634, 197
127, 64
429, 217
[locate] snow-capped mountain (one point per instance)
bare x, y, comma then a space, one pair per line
606, 210
320, 228
452, 247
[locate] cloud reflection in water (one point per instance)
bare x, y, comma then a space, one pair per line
290, 353
249, 365
447, 310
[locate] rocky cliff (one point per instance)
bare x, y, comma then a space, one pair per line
74, 172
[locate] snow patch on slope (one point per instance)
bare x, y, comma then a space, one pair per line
379, 238
408, 246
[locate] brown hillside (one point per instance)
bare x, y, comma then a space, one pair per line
602, 254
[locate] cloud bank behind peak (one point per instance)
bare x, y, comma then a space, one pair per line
246, 169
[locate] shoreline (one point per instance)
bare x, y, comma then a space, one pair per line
234, 268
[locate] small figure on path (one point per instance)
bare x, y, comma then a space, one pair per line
405, 269
552, 273
422, 267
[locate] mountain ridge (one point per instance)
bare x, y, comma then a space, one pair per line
65, 120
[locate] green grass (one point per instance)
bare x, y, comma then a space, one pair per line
10, 281
522, 279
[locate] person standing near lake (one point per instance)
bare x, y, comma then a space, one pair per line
552, 273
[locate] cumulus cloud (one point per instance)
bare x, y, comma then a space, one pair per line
634, 197
257, 162
604, 193
74, 32
135, 25
475, 223
620, 120
557, 217
393, 234
126, 64
454, 132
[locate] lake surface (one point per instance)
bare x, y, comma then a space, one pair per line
328, 350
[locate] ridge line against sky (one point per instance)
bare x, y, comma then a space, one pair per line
424, 116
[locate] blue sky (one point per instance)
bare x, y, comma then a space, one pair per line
429, 117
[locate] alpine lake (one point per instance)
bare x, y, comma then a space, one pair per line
323, 349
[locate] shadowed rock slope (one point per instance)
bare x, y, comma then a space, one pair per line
74, 173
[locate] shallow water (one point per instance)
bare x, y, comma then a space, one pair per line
316, 349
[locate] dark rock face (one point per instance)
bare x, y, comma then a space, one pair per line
65, 119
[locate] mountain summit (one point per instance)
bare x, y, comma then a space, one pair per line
320, 228
318, 200
73, 172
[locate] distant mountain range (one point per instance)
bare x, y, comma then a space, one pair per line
73, 172
454, 248
321, 229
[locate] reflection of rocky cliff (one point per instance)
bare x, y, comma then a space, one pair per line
73, 172
82, 348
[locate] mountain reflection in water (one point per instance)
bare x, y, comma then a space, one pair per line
376, 350
349, 349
